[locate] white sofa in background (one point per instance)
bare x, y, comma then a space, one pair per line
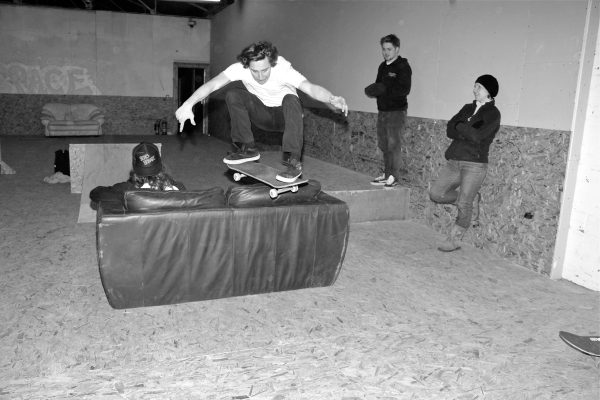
60, 119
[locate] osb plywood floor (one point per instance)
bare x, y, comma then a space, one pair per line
403, 321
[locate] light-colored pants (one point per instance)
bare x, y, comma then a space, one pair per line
458, 183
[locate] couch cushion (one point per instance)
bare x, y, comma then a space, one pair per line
69, 125
70, 112
56, 110
83, 112
150, 200
257, 195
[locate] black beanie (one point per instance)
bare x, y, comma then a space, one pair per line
489, 83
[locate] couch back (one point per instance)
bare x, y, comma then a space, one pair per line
244, 196
70, 112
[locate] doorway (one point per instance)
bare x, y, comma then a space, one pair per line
189, 77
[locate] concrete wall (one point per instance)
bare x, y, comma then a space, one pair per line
59, 51
51, 53
532, 47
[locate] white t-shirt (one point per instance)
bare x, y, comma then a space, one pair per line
284, 79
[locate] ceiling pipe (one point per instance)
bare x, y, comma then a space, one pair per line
150, 10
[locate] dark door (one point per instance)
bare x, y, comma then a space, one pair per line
189, 77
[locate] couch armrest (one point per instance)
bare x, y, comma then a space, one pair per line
97, 115
46, 117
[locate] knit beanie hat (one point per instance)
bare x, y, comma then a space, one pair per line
489, 83
146, 159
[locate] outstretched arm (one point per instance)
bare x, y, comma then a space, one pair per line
185, 112
320, 93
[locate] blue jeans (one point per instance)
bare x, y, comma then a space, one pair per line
390, 129
458, 183
246, 109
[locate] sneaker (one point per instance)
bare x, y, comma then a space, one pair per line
379, 181
291, 173
390, 183
245, 152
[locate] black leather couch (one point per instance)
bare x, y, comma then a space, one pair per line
174, 247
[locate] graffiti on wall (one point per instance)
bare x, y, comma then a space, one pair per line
52, 79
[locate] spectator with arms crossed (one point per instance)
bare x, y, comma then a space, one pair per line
472, 131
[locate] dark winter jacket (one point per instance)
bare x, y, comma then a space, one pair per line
396, 78
472, 134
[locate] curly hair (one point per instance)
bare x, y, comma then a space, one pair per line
159, 181
258, 51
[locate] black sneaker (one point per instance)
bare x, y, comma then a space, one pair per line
292, 172
245, 152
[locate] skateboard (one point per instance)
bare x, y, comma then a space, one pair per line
266, 175
589, 345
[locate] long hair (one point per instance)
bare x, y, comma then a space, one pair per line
258, 51
160, 181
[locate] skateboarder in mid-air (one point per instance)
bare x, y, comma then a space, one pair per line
267, 99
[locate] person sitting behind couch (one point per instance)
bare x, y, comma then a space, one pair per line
147, 172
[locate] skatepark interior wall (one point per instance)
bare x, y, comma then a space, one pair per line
521, 194
107, 59
133, 115
523, 189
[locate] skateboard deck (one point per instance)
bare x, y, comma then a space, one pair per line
589, 345
265, 174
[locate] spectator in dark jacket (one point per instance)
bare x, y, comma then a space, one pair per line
147, 173
391, 87
472, 130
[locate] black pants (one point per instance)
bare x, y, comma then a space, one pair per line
246, 109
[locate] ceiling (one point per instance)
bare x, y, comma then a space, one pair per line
181, 8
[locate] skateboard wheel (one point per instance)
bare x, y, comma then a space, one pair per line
273, 193
294, 189
237, 176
